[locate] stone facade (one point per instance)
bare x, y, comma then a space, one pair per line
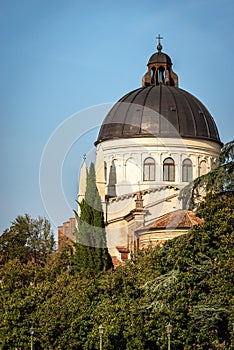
66, 233
121, 180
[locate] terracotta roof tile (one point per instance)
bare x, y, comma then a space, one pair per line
177, 219
116, 262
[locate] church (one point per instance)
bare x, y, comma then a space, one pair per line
152, 143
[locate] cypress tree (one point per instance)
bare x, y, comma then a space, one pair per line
92, 256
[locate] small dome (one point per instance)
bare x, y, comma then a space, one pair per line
158, 111
160, 57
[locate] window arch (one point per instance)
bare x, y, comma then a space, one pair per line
152, 73
149, 169
169, 169
202, 170
160, 75
187, 170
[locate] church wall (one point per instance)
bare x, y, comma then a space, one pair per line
117, 233
126, 157
119, 207
160, 202
155, 238
120, 226
66, 233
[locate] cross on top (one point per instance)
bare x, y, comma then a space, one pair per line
159, 37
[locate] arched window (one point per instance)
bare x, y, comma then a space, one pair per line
160, 75
202, 170
149, 169
168, 170
153, 75
187, 171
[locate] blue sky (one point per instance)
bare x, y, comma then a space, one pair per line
59, 57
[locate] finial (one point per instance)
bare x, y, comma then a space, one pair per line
84, 156
159, 46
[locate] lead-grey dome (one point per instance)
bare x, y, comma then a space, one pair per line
160, 108
161, 111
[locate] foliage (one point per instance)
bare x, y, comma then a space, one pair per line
91, 256
188, 281
27, 239
220, 179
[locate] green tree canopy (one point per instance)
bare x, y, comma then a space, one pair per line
188, 282
27, 239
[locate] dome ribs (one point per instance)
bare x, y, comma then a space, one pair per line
215, 133
159, 108
169, 113
113, 124
200, 116
186, 115
160, 111
202, 112
150, 115
133, 114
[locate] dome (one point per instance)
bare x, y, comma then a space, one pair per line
159, 108
160, 111
159, 57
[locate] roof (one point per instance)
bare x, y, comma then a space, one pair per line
159, 57
158, 111
179, 219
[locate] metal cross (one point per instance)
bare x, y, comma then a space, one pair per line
159, 37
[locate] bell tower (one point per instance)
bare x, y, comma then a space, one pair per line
160, 69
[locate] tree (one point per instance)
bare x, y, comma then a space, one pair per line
195, 287
91, 256
219, 180
27, 239
187, 281
27, 295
